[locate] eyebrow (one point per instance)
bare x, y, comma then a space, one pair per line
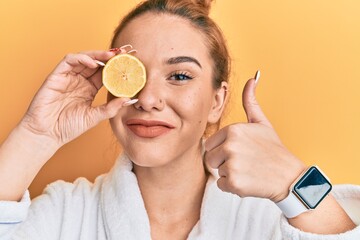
181, 59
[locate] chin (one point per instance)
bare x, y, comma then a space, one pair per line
149, 157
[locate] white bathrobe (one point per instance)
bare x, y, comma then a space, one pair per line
113, 208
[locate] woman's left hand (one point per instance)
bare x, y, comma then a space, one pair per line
250, 157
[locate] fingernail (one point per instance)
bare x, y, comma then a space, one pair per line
114, 49
257, 76
130, 102
131, 51
100, 63
127, 46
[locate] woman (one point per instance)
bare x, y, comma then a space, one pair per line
164, 186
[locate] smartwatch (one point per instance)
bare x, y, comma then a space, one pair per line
305, 194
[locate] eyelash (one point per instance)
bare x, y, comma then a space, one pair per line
183, 75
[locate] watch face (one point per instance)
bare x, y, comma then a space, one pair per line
312, 187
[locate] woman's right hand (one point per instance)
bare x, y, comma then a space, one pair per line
62, 108
60, 111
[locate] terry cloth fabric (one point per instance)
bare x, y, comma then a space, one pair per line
112, 208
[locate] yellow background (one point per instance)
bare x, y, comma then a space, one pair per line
308, 53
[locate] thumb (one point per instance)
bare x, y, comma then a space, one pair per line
110, 109
253, 110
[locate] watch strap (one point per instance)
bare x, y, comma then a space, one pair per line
291, 206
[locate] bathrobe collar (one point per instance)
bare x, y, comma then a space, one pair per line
125, 216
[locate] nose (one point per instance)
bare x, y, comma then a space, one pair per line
151, 96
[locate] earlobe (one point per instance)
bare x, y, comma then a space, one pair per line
219, 102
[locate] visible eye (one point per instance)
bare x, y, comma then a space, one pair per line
180, 76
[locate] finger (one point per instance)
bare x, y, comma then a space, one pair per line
128, 48
222, 171
121, 50
109, 110
103, 56
85, 71
75, 63
215, 157
222, 184
216, 139
96, 79
100, 55
252, 108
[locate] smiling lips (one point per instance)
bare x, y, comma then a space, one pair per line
148, 128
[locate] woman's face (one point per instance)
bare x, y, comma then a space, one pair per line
178, 99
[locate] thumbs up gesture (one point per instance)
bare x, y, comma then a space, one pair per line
250, 157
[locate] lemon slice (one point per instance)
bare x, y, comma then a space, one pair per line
124, 75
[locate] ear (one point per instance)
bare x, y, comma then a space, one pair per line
218, 103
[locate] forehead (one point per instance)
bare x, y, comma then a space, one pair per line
162, 36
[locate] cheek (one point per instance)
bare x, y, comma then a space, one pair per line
193, 106
117, 126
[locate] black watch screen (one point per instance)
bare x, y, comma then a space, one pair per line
313, 187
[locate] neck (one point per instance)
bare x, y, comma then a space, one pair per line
174, 192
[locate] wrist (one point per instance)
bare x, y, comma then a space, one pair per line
22, 155
305, 193
328, 218
290, 176
34, 146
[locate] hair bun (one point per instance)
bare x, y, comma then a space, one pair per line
205, 4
